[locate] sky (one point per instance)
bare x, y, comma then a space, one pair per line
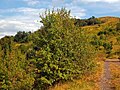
23, 15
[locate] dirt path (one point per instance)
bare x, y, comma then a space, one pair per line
107, 75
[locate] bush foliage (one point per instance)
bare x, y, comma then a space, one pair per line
22, 37
85, 22
65, 52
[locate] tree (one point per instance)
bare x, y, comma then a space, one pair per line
84, 22
22, 37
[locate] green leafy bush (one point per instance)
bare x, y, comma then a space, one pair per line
108, 47
101, 40
118, 26
84, 22
64, 50
22, 37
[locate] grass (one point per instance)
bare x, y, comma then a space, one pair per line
115, 76
77, 85
83, 86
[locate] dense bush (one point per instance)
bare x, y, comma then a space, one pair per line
107, 31
102, 32
22, 37
64, 51
101, 40
90, 21
118, 26
15, 72
118, 39
108, 47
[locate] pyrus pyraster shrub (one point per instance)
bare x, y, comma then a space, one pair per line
64, 51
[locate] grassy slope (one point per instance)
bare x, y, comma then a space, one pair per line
108, 22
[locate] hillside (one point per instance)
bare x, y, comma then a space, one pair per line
60, 51
108, 32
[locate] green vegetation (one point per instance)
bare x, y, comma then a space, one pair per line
22, 37
118, 26
59, 51
64, 51
86, 22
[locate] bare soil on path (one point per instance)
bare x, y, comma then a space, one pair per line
105, 79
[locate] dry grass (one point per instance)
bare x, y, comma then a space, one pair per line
115, 72
60, 87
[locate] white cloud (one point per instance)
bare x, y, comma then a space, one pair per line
23, 10
32, 2
57, 2
107, 1
26, 20
10, 27
77, 12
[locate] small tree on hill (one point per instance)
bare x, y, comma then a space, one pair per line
64, 51
22, 37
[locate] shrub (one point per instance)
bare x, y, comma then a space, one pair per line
118, 26
108, 47
118, 39
84, 22
102, 32
22, 37
64, 50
